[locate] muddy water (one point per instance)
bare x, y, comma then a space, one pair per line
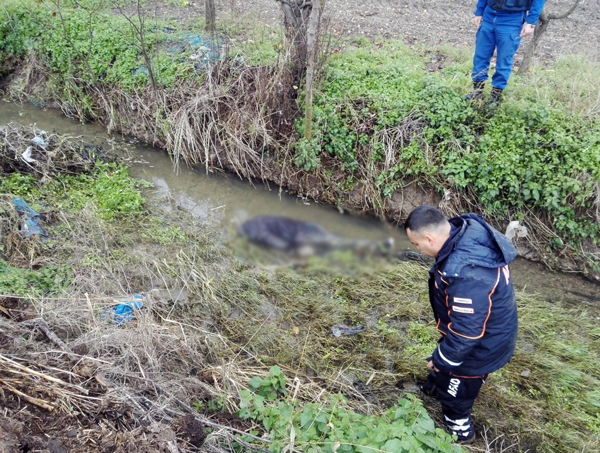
220, 196
226, 199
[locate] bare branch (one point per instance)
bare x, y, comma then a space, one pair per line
568, 13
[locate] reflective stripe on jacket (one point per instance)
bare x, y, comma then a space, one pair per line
473, 300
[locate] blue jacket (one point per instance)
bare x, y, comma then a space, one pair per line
473, 299
511, 6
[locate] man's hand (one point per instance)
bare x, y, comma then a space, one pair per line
527, 30
430, 365
477, 20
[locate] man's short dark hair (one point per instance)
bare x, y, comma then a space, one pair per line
423, 217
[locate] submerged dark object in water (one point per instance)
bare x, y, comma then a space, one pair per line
303, 238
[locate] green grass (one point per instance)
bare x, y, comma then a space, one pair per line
380, 118
266, 316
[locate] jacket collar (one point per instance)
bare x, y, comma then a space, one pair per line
458, 226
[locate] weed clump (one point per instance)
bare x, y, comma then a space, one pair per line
213, 328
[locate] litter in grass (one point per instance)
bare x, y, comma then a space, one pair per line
31, 219
125, 311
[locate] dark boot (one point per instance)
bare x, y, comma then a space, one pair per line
428, 387
477, 92
494, 100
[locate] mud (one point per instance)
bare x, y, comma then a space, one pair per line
107, 425
432, 23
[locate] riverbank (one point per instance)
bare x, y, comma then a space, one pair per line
212, 327
391, 130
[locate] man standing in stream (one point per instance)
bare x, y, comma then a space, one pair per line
473, 300
500, 26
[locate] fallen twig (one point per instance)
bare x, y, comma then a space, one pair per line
40, 403
39, 323
10, 363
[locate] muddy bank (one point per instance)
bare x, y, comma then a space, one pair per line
246, 118
265, 155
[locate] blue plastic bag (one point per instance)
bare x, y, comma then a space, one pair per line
31, 223
124, 312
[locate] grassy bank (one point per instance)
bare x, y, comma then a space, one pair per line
213, 326
387, 118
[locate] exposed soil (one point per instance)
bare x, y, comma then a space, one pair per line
432, 23
26, 427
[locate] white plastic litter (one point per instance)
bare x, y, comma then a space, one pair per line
515, 228
26, 156
39, 141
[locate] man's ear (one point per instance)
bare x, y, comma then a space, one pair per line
429, 238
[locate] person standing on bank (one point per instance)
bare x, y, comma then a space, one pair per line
473, 300
500, 26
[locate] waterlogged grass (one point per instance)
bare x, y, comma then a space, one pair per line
108, 190
546, 399
550, 385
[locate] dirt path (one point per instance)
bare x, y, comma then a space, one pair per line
435, 22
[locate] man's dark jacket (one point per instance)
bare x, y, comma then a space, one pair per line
473, 299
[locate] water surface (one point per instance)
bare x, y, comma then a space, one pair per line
227, 198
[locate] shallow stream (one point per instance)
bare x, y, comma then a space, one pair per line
226, 198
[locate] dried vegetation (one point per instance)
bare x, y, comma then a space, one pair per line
170, 379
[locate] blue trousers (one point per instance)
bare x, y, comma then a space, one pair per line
505, 39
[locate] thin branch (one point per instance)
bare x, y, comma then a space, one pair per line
29, 371
568, 13
29, 399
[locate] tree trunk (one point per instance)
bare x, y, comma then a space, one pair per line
210, 16
296, 14
311, 46
537, 35
544, 21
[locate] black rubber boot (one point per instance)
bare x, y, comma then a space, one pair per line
477, 92
428, 387
494, 100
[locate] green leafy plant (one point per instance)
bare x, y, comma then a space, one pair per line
19, 185
211, 405
333, 428
270, 387
306, 154
22, 282
533, 159
109, 189
90, 42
